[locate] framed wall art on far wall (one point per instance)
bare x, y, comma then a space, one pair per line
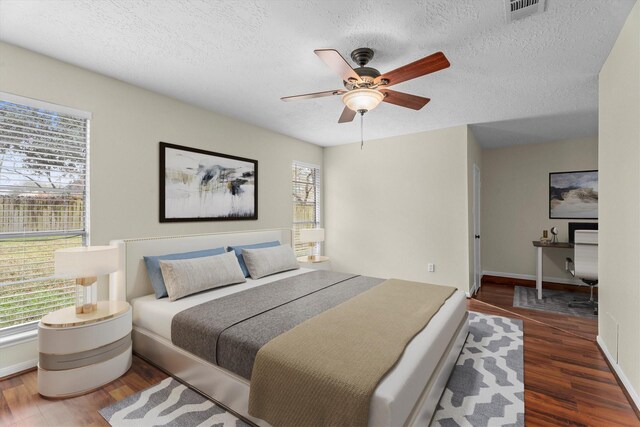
573, 195
200, 185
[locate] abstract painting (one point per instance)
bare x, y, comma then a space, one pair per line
200, 185
573, 195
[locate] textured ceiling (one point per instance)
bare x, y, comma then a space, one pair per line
535, 78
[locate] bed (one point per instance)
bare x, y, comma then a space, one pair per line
406, 396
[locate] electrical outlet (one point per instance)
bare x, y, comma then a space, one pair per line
432, 267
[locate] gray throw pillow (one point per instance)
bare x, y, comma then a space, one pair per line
184, 277
263, 262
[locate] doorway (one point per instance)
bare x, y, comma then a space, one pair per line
477, 269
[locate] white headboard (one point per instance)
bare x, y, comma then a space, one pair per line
131, 279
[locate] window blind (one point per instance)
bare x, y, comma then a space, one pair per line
43, 204
306, 202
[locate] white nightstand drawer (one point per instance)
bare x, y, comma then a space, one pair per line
72, 382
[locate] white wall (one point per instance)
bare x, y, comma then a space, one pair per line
399, 204
619, 236
515, 204
18, 357
128, 122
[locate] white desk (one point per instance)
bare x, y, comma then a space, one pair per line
539, 246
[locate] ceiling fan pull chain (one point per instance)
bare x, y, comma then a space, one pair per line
361, 129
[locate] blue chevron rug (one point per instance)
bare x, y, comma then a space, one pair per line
486, 387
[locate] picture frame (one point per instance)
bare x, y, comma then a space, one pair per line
202, 185
573, 195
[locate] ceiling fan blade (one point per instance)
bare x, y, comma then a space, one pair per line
337, 63
313, 95
347, 115
404, 99
421, 67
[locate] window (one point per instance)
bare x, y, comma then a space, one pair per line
306, 202
43, 205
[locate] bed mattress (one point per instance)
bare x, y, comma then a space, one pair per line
396, 394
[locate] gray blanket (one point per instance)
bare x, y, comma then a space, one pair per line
229, 331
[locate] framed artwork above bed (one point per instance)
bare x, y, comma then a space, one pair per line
200, 185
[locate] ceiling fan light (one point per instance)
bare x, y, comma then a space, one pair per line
362, 99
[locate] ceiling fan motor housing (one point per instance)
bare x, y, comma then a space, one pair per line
362, 56
367, 72
367, 77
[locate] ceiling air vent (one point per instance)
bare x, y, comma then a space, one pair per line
519, 9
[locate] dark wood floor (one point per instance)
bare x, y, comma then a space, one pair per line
501, 295
21, 405
567, 381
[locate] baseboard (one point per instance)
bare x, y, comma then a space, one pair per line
474, 288
631, 393
471, 292
561, 280
18, 367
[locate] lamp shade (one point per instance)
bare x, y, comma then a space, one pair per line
312, 235
85, 261
362, 99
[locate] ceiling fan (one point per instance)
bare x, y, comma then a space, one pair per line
366, 88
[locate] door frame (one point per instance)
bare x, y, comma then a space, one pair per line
477, 264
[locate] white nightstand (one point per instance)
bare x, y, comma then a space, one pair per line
81, 352
318, 262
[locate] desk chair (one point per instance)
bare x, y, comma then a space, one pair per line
584, 266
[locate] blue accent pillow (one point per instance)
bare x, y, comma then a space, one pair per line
238, 251
155, 274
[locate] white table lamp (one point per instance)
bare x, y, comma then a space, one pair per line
312, 236
84, 264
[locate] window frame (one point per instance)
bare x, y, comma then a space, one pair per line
26, 331
318, 204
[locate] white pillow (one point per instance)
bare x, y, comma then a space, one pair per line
184, 277
266, 261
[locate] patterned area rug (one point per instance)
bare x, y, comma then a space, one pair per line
486, 387
168, 403
552, 300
